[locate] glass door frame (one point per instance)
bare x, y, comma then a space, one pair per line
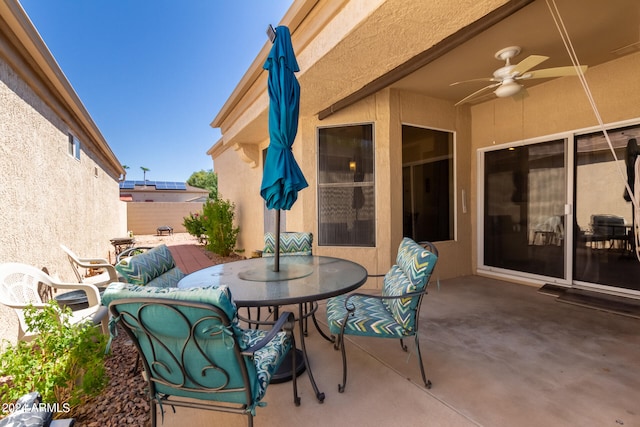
570, 167
567, 137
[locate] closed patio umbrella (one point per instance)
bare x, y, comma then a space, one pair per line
282, 177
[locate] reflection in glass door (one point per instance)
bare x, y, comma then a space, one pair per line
524, 200
604, 252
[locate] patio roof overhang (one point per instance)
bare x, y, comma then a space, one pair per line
346, 55
36, 65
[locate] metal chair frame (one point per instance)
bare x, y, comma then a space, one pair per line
339, 340
350, 307
154, 368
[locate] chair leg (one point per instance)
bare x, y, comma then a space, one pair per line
340, 342
153, 409
306, 320
296, 398
249, 419
427, 383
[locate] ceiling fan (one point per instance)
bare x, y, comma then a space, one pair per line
506, 77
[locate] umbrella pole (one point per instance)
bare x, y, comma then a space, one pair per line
276, 263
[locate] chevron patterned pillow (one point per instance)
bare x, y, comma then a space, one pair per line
291, 243
145, 267
411, 273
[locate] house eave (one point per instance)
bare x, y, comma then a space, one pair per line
18, 28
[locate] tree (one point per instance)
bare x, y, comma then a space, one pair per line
207, 180
126, 168
144, 173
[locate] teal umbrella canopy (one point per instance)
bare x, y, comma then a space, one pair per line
282, 177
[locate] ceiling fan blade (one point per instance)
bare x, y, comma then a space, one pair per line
528, 63
553, 72
476, 93
483, 79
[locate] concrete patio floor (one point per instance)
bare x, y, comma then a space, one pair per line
498, 354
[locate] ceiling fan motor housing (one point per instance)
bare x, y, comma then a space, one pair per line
508, 88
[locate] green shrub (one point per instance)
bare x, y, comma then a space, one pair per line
218, 221
194, 224
64, 362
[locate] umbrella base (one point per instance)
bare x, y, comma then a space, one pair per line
266, 274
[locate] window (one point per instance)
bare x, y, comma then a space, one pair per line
346, 186
74, 147
427, 184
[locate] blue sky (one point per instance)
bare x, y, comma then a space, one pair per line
154, 74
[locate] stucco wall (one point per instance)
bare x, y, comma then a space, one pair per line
240, 183
431, 113
387, 110
145, 218
48, 197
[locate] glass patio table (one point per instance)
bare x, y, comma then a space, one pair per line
301, 280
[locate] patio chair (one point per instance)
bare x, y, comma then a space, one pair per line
102, 279
19, 289
149, 266
128, 253
608, 228
394, 313
194, 353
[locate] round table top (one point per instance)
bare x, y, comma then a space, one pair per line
253, 283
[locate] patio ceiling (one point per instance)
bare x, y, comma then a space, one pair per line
599, 32
402, 33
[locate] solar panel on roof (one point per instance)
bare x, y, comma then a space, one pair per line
169, 185
160, 185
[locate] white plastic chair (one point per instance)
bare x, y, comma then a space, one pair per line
19, 289
101, 280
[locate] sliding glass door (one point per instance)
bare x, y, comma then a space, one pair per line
524, 202
604, 251
534, 226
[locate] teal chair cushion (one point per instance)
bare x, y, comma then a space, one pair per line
219, 296
371, 318
155, 267
412, 271
291, 243
173, 348
268, 358
392, 318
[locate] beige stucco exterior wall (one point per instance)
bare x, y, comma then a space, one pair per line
422, 111
367, 111
333, 48
240, 183
555, 107
145, 218
48, 197
387, 110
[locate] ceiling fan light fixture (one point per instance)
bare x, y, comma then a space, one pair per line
507, 89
